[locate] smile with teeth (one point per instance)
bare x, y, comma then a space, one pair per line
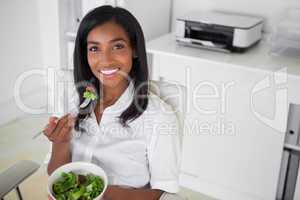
109, 72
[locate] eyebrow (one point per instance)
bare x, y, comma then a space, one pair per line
111, 41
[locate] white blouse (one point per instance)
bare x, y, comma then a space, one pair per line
146, 152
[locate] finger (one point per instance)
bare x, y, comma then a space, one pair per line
60, 122
52, 119
62, 135
59, 128
65, 133
50, 126
71, 120
90, 88
69, 124
49, 129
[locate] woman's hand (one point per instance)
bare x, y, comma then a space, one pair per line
59, 130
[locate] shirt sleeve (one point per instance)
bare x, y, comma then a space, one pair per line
164, 153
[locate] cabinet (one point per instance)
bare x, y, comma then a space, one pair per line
235, 118
72, 11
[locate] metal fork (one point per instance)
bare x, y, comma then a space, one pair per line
84, 104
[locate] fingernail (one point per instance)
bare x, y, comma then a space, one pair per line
73, 115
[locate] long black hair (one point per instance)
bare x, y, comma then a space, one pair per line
83, 75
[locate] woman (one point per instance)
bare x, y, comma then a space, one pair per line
128, 131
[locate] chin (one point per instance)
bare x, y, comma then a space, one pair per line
111, 83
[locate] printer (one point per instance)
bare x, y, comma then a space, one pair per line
217, 30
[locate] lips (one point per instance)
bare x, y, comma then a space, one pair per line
109, 72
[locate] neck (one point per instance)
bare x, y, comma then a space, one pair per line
111, 95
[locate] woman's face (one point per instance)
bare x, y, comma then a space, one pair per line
109, 54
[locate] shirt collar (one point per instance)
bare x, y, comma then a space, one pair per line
122, 102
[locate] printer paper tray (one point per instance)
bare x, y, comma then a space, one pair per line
203, 44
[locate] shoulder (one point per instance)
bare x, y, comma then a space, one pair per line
159, 110
155, 103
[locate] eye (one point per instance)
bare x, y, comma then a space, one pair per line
118, 46
93, 48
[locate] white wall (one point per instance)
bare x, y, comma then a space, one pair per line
48, 11
20, 46
27, 42
154, 16
271, 10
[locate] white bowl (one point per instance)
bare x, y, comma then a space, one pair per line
78, 168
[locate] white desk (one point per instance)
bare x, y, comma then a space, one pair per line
236, 109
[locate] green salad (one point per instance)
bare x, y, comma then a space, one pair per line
89, 95
71, 186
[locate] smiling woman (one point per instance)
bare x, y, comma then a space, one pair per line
128, 131
110, 55
109, 52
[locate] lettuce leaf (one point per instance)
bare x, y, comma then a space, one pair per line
70, 187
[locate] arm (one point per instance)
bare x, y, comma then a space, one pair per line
164, 153
60, 155
120, 193
58, 132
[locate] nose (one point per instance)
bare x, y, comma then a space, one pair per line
105, 59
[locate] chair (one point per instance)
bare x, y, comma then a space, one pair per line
12, 177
